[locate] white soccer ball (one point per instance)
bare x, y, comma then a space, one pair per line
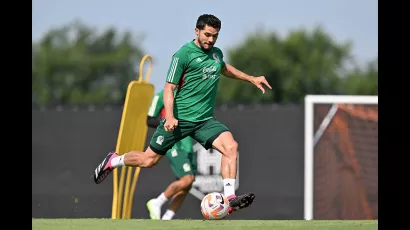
214, 206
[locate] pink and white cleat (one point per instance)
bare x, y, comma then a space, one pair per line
105, 168
239, 202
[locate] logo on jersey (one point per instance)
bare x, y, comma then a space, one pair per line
208, 176
216, 58
160, 139
186, 167
209, 72
174, 153
211, 69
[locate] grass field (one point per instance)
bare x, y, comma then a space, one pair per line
134, 224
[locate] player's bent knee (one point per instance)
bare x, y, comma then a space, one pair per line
152, 160
227, 145
231, 149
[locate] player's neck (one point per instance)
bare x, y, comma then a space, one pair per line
197, 44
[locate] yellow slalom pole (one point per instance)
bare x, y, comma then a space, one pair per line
137, 102
130, 195
115, 195
126, 193
146, 79
133, 185
121, 191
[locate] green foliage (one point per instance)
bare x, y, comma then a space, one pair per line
304, 62
363, 81
75, 64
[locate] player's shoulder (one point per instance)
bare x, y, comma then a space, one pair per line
186, 52
185, 48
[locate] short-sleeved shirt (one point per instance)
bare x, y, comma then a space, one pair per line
157, 106
197, 73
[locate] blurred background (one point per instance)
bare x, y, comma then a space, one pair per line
85, 53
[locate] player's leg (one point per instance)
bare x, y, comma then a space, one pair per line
184, 167
182, 184
214, 134
175, 204
160, 143
179, 190
225, 143
173, 192
181, 167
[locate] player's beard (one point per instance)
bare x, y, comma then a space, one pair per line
202, 45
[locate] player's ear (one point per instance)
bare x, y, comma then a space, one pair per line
197, 32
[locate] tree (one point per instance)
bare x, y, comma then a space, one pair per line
304, 62
363, 81
75, 64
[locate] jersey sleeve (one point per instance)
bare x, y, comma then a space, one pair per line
156, 105
178, 66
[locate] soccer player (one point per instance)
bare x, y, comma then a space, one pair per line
189, 101
183, 165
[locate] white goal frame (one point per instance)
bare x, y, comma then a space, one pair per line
311, 138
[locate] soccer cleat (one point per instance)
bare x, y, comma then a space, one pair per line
231, 210
105, 168
154, 209
239, 202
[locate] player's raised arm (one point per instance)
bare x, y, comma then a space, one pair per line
232, 72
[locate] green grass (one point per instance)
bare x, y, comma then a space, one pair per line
105, 224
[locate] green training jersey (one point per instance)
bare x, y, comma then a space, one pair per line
157, 110
197, 74
157, 105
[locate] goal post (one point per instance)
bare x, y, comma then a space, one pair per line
340, 165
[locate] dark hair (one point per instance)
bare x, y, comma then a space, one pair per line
208, 20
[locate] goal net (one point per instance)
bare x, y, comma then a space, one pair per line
341, 157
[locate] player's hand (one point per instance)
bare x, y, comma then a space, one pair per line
170, 124
260, 82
